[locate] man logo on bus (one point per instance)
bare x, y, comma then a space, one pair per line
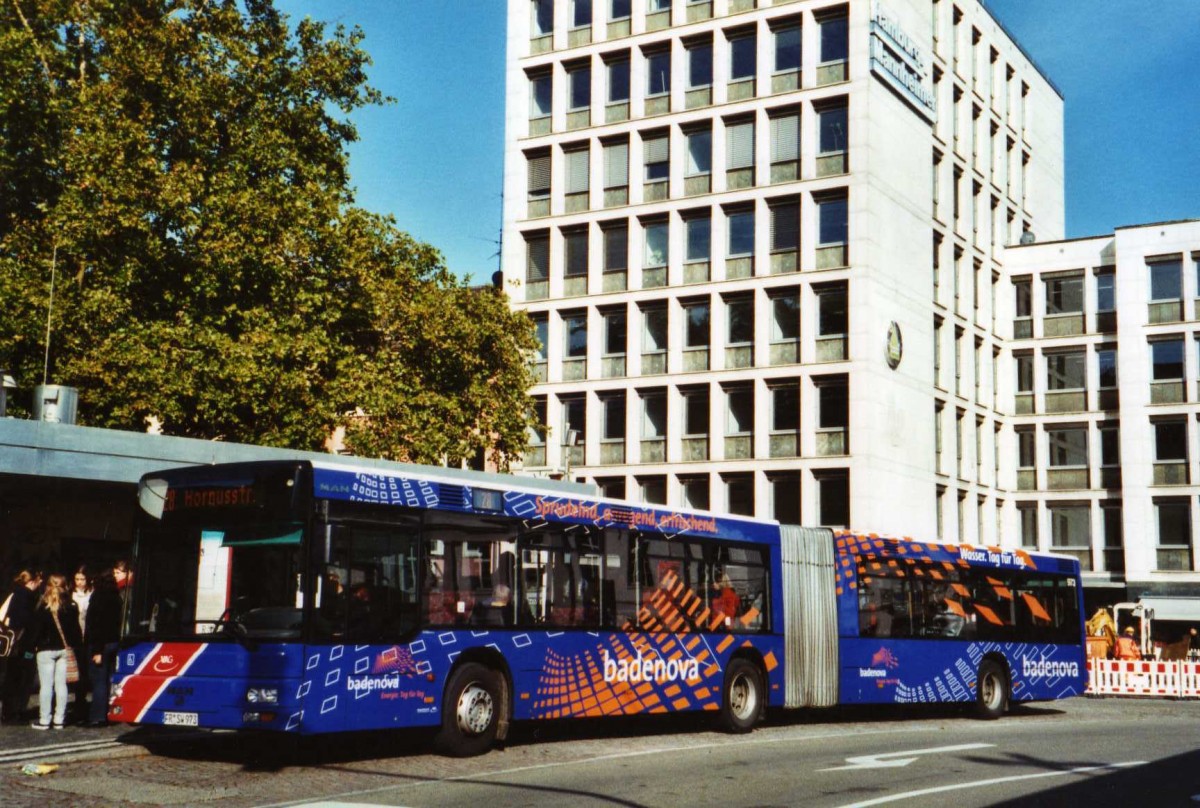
884, 657
649, 670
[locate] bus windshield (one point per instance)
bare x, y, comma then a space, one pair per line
204, 579
219, 553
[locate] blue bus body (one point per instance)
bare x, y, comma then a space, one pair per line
676, 655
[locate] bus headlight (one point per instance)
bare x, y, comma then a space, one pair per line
263, 695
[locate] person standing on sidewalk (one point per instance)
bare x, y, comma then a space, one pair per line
55, 630
81, 595
18, 675
102, 629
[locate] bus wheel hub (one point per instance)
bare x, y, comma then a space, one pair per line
475, 710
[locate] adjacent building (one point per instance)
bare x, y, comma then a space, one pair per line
1105, 361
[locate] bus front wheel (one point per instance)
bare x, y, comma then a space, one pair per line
472, 711
991, 690
741, 697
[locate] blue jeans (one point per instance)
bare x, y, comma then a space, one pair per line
52, 674
101, 679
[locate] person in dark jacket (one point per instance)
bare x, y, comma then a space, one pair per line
102, 629
17, 676
55, 629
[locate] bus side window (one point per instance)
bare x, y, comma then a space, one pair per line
742, 570
618, 598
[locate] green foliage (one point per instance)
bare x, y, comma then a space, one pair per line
184, 165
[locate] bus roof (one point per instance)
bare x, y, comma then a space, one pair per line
532, 498
987, 556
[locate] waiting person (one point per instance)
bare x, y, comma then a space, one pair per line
102, 630
20, 670
124, 579
81, 595
55, 629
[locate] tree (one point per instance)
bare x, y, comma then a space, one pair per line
182, 166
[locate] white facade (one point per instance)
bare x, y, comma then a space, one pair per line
759, 201
1108, 339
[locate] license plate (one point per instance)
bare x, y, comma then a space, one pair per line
181, 719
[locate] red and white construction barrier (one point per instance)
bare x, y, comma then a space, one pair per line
1119, 677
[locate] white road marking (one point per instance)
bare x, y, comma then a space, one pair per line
21, 755
924, 792
795, 734
891, 760
659, 750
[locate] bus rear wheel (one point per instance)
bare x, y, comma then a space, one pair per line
741, 697
472, 711
991, 691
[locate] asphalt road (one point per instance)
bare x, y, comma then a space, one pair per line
1095, 752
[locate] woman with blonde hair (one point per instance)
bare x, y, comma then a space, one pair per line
55, 631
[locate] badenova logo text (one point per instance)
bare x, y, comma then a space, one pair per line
1046, 667
871, 673
649, 670
368, 684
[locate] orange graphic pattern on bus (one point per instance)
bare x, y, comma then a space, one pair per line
674, 608
918, 560
668, 633
577, 685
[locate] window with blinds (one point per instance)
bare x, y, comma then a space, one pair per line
539, 175
576, 166
616, 165
537, 266
616, 248
785, 137
785, 146
575, 245
739, 145
657, 156
785, 226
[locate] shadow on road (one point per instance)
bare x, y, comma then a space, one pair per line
273, 752
1157, 783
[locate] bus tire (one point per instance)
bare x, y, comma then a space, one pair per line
472, 711
991, 691
742, 697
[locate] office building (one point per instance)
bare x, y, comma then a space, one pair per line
762, 245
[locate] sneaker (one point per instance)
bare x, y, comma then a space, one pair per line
39, 725
56, 726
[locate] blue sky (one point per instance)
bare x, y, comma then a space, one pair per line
434, 159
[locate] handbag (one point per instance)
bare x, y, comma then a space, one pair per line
72, 663
8, 636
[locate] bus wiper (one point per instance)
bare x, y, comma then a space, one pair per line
228, 623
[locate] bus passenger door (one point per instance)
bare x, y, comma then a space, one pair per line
364, 618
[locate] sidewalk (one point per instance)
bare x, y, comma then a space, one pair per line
21, 743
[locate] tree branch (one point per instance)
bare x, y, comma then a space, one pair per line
41, 56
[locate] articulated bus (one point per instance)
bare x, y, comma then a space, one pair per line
317, 596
